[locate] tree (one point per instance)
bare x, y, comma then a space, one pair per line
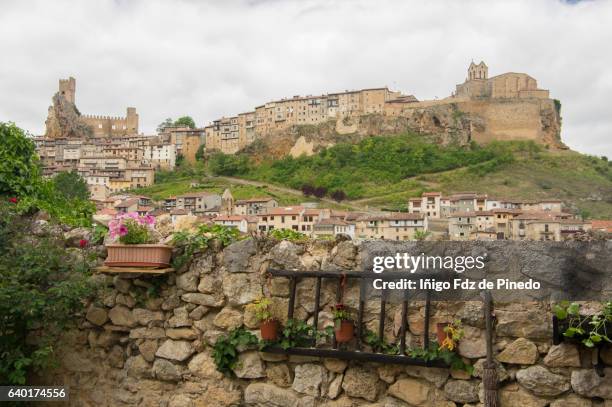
307, 189
225, 164
319, 192
338, 195
199, 155
19, 171
166, 123
186, 121
71, 185
420, 235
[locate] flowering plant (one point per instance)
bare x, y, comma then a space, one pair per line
131, 228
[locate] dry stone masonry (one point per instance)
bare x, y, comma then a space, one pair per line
147, 341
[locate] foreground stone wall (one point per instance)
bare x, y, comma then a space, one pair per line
146, 341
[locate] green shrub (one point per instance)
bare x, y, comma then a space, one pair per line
20, 177
19, 171
288, 234
41, 287
190, 243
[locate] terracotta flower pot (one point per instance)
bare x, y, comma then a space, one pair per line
269, 330
440, 332
344, 331
138, 255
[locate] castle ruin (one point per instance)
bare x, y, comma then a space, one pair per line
64, 119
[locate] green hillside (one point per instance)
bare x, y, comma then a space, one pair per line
383, 172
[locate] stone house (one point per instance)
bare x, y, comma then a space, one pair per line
331, 227
198, 202
461, 225
399, 226
254, 206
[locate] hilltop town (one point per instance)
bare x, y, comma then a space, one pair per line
114, 158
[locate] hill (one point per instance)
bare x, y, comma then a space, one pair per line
384, 171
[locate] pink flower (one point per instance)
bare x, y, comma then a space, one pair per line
149, 220
123, 230
13, 200
83, 243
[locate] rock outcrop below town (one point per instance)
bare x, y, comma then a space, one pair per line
146, 341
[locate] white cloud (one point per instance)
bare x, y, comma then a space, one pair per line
209, 59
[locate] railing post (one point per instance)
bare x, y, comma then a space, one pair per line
292, 287
426, 328
317, 303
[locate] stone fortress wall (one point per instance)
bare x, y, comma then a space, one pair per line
100, 125
130, 350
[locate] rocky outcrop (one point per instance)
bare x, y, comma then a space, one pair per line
64, 120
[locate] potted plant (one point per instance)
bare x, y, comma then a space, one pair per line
268, 325
343, 324
449, 333
133, 243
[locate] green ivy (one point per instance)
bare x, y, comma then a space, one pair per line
226, 349
590, 330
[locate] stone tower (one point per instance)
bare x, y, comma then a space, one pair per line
67, 89
480, 71
227, 203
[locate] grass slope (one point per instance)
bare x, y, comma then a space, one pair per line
383, 172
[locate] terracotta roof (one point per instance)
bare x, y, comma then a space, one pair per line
231, 218
254, 200
484, 213
127, 203
432, 194
284, 210
107, 211
332, 221
178, 212
462, 215
395, 216
195, 194
605, 225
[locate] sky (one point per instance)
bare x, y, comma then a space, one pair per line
209, 59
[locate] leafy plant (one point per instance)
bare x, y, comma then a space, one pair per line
454, 333
262, 309
99, 232
340, 313
421, 234
298, 333
436, 352
190, 243
590, 330
71, 185
288, 234
378, 344
41, 287
226, 349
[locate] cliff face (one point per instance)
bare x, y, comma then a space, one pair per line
450, 121
64, 120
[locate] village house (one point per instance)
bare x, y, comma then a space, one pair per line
332, 227
233, 221
461, 225
254, 206
398, 226
199, 202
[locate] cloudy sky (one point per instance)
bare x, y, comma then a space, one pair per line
212, 58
